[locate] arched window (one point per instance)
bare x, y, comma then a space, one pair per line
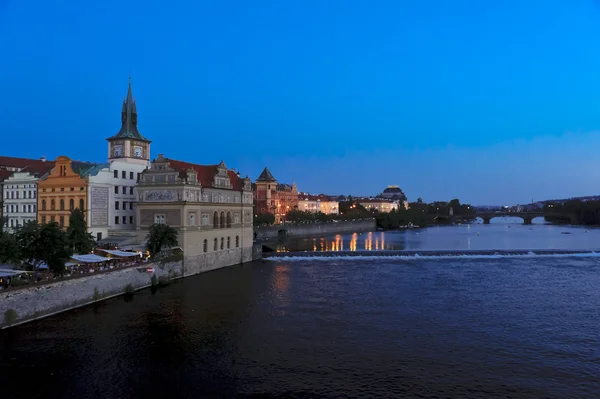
205, 245
228, 219
81, 204
222, 243
228, 242
43, 205
216, 243
237, 241
71, 204
222, 220
216, 221
62, 204
52, 205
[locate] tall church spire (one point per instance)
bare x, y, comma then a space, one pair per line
129, 128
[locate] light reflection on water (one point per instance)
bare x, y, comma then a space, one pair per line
495, 236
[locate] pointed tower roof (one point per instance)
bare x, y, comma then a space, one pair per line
266, 176
129, 128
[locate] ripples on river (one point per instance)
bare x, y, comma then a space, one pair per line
450, 328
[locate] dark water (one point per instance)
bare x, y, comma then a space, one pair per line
337, 328
502, 234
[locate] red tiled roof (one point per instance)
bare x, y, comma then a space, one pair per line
206, 173
5, 174
22, 162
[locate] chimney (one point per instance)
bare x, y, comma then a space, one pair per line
43, 159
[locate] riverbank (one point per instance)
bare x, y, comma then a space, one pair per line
38, 301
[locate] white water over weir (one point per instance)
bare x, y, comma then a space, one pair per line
431, 254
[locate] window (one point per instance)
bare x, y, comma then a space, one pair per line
117, 205
43, 205
204, 219
62, 221
124, 219
159, 219
124, 174
52, 219
131, 190
130, 219
52, 205
62, 204
216, 220
236, 218
116, 220
116, 189
237, 241
139, 175
205, 247
72, 189
71, 204
216, 243
116, 174
228, 219
222, 220
124, 205
222, 243
131, 206
81, 204
34, 208
131, 175
228, 242
62, 189
124, 190
43, 219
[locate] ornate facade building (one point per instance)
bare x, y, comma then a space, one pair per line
273, 197
64, 189
210, 206
318, 203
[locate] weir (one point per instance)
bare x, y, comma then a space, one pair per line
432, 253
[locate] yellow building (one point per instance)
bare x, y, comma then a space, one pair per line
318, 203
379, 204
64, 189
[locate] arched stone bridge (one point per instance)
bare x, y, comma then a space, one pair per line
526, 216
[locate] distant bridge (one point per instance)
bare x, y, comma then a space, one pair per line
527, 216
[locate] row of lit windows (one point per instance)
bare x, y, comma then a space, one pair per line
63, 189
124, 174
24, 208
216, 243
15, 194
123, 219
62, 205
124, 205
124, 191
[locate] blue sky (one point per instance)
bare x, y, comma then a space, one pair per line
491, 102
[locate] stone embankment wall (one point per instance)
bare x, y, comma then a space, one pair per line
37, 301
42, 300
299, 230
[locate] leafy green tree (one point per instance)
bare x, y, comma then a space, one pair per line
80, 240
264, 219
9, 250
39, 244
160, 236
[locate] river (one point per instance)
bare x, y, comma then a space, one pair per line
447, 327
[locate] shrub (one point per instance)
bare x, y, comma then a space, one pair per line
10, 316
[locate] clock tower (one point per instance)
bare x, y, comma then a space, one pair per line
128, 145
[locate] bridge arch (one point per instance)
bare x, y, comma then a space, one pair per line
527, 217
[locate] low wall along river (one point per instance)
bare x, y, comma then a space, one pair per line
300, 230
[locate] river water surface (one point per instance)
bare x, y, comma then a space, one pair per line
450, 327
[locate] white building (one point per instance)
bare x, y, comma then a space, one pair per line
318, 204
112, 193
19, 191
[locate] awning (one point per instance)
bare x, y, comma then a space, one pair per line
10, 273
119, 253
89, 258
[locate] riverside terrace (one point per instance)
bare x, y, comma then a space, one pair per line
78, 266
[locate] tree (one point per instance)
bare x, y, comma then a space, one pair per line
264, 218
80, 240
9, 250
44, 244
160, 236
